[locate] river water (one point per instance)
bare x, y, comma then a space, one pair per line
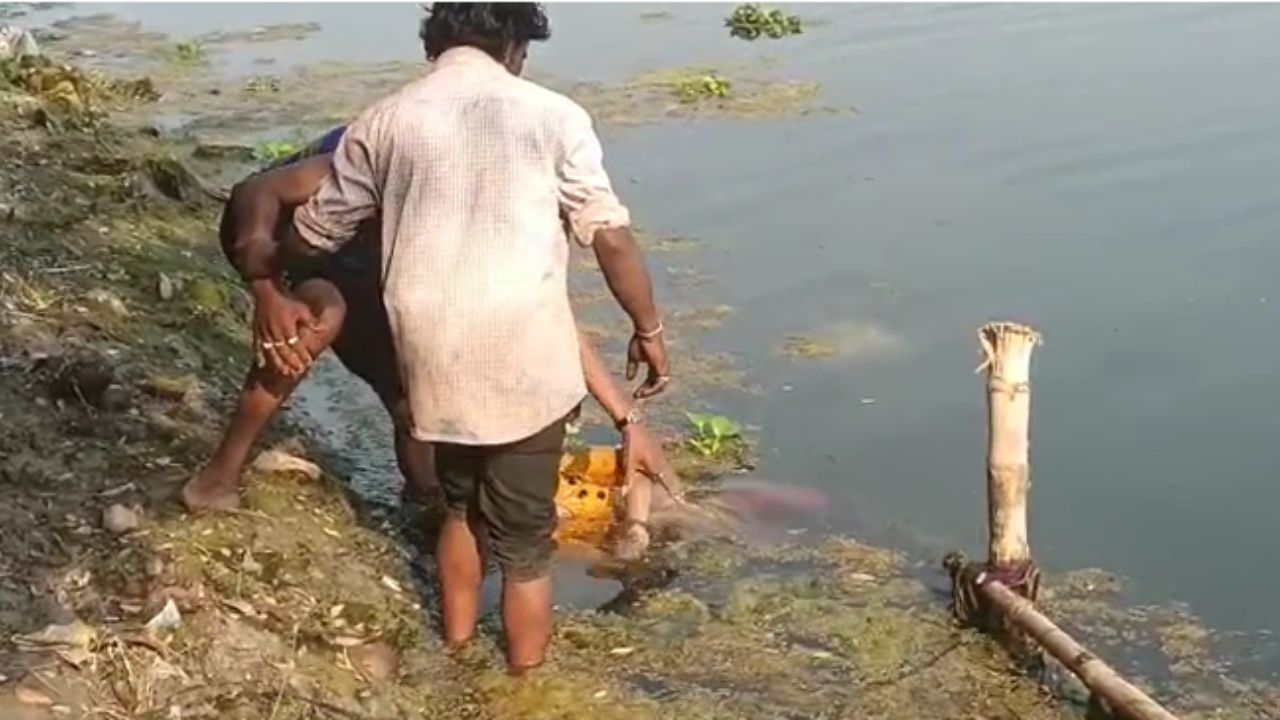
1103, 172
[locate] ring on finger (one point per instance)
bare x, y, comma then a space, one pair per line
292, 341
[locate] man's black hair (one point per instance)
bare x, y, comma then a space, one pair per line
491, 27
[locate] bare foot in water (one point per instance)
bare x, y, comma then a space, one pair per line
209, 491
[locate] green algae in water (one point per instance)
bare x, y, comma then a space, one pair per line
274, 151
751, 22
191, 52
691, 90
262, 84
656, 16
809, 348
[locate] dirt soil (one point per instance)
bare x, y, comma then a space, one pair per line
122, 335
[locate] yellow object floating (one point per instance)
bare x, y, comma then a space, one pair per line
590, 480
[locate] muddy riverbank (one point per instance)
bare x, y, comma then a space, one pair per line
122, 336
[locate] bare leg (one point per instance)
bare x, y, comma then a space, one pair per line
518, 499
216, 486
508, 495
526, 620
526, 604
634, 537
461, 570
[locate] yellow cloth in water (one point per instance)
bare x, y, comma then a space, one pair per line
590, 480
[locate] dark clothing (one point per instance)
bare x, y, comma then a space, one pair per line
364, 346
360, 258
512, 490
326, 143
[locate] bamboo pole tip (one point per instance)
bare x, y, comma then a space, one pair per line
1006, 344
1000, 329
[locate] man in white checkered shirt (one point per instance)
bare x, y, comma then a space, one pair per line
476, 174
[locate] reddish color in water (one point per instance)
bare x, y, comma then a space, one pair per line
762, 499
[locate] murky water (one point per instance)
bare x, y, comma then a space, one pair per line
1102, 172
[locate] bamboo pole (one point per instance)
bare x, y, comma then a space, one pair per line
1122, 699
1007, 347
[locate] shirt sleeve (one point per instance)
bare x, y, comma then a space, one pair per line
587, 200
350, 193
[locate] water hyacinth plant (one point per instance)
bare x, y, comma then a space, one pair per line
713, 435
274, 151
751, 21
703, 88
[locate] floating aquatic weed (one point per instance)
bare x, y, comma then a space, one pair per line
713, 435
281, 32
274, 151
850, 340
809, 348
704, 87
262, 84
746, 93
751, 21
702, 318
191, 51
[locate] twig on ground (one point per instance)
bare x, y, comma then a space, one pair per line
66, 269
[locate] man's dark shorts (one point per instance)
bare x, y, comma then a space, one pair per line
512, 490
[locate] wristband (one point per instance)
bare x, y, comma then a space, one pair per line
651, 334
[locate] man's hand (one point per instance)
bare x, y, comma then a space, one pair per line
628, 280
642, 453
650, 349
279, 321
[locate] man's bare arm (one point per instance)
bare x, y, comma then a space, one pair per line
256, 207
348, 195
254, 214
600, 383
597, 218
643, 457
628, 278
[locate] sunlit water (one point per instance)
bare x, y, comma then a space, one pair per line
1106, 173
